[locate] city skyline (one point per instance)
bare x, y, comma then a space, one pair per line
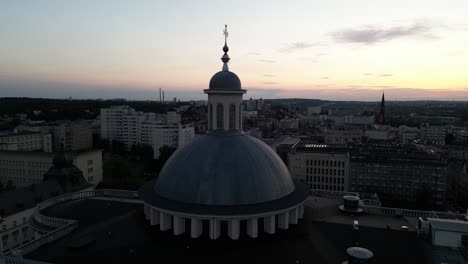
331, 51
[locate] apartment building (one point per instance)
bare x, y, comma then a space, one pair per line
320, 166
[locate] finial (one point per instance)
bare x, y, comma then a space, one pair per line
225, 59
226, 34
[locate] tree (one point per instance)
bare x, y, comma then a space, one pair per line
165, 153
449, 139
10, 185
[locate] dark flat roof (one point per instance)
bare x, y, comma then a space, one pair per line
147, 193
133, 240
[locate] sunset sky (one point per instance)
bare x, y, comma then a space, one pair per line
334, 49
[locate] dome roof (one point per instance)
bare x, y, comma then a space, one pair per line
224, 170
225, 80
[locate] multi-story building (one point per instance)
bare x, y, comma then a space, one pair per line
314, 110
26, 168
321, 166
342, 136
122, 123
433, 133
175, 135
408, 134
25, 141
73, 136
398, 174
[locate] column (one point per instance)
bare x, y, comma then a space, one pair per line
195, 227
154, 216
269, 224
147, 211
179, 225
252, 227
165, 221
293, 216
301, 211
283, 220
215, 227
234, 229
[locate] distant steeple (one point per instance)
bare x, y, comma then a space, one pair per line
382, 104
380, 117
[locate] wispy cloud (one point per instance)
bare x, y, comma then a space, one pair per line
376, 34
368, 74
386, 75
254, 53
270, 83
269, 75
325, 78
296, 46
267, 61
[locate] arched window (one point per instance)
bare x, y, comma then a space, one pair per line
240, 117
210, 113
232, 116
219, 116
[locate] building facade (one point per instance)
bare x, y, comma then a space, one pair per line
433, 133
399, 177
122, 123
26, 168
342, 136
175, 135
72, 136
26, 141
320, 166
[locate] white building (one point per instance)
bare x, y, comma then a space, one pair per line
26, 141
451, 233
122, 123
175, 135
26, 168
320, 166
407, 134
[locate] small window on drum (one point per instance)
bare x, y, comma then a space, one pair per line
219, 116
211, 115
232, 116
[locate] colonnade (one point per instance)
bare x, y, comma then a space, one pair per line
177, 223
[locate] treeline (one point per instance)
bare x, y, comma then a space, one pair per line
60, 109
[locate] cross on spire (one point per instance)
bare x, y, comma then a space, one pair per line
226, 34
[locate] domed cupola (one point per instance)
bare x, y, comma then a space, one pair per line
224, 175
224, 96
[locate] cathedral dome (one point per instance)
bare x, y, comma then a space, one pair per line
225, 80
233, 169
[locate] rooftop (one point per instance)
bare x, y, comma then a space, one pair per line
113, 232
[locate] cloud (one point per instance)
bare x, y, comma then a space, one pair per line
267, 61
386, 75
269, 75
296, 46
325, 78
376, 34
254, 53
368, 74
270, 83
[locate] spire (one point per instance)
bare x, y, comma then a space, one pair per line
225, 59
382, 103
